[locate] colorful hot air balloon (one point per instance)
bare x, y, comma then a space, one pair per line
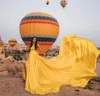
63, 3
12, 42
41, 25
47, 2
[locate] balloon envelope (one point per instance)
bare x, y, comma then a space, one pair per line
12, 42
47, 2
41, 25
63, 3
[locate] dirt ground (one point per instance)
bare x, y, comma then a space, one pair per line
14, 86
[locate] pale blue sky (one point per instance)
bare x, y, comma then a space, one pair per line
81, 17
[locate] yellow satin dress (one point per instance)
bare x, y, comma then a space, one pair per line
75, 66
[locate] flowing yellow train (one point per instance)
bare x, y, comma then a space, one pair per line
75, 66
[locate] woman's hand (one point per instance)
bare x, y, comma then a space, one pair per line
40, 49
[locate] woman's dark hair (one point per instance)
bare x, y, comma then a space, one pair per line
35, 46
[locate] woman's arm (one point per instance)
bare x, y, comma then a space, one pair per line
40, 49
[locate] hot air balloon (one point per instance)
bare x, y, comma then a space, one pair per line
12, 42
41, 25
47, 2
63, 3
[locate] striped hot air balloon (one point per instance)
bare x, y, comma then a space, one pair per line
12, 42
41, 25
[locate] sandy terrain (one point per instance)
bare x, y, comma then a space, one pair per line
10, 86
14, 86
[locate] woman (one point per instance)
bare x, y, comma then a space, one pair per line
74, 66
33, 46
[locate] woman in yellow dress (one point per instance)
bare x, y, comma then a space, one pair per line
75, 66
35, 45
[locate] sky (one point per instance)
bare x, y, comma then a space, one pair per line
80, 17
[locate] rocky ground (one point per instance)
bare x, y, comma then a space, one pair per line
11, 82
